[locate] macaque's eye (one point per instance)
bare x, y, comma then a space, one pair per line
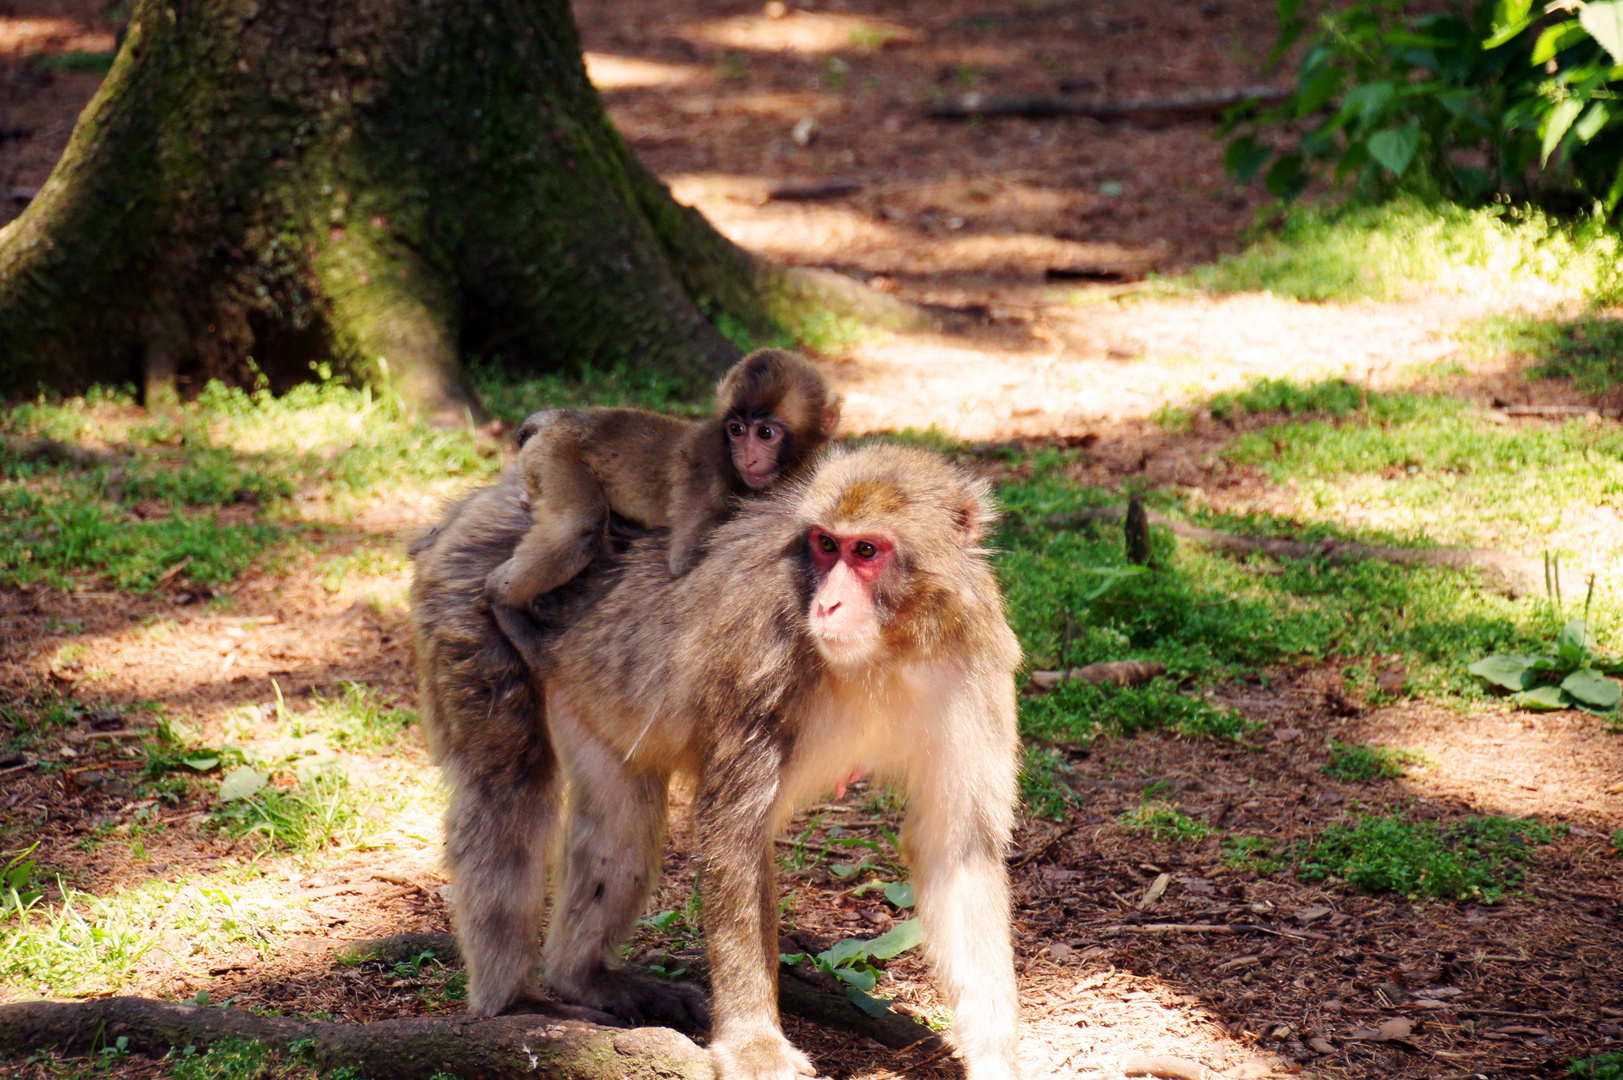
865, 549
736, 429
828, 544
766, 433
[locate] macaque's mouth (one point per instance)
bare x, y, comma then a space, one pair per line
757, 481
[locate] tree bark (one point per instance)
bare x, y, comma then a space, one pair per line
413, 1048
382, 185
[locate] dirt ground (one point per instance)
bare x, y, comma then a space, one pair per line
1261, 976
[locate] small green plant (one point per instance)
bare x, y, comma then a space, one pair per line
1599, 1067
228, 1059
322, 810
852, 961
17, 893
1571, 675
1163, 821
1253, 853
1360, 764
1042, 783
1478, 858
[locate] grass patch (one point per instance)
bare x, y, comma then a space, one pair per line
1254, 854
1478, 858
1162, 821
323, 810
97, 63
1586, 350
513, 397
1042, 783
1361, 764
83, 943
1073, 599
1392, 250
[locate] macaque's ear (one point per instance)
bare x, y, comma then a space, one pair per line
975, 513
830, 419
526, 431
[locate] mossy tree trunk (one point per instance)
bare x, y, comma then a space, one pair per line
381, 184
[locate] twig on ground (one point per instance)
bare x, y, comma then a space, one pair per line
1042, 849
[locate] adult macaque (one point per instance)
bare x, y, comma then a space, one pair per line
773, 411
850, 623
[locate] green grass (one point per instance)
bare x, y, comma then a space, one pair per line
1162, 821
1211, 618
98, 63
1360, 764
1479, 858
1042, 784
1587, 349
335, 446
1392, 250
1252, 853
83, 943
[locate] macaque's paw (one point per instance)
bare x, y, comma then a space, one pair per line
765, 1057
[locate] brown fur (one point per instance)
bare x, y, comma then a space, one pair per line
717, 675
580, 465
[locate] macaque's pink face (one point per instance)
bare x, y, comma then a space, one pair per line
844, 618
756, 447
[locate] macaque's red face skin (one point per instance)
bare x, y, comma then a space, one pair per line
844, 617
757, 450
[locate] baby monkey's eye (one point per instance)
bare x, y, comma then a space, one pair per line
766, 433
736, 429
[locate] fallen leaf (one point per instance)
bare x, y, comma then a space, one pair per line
1153, 893
1397, 1028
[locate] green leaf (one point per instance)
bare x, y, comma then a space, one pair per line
1318, 90
900, 893
1506, 33
202, 764
241, 782
897, 940
1555, 38
1244, 156
1369, 100
860, 978
1506, 12
1540, 698
1589, 687
1395, 148
1604, 21
1510, 672
873, 1006
1575, 634
1286, 177
1287, 9
844, 871
1556, 123
1590, 124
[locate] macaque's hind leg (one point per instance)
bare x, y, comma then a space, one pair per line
497, 832
611, 862
571, 513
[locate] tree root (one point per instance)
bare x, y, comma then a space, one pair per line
412, 1048
416, 1048
1511, 575
1112, 673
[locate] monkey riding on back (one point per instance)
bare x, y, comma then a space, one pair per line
773, 413
850, 622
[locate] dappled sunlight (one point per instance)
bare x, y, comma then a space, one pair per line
29, 37
609, 72
797, 31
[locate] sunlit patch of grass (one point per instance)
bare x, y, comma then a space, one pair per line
1360, 764
1161, 820
83, 943
358, 719
1478, 858
1587, 349
1075, 600
322, 810
1391, 250
1439, 472
512, 397
365, 560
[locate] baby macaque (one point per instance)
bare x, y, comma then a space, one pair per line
774, 411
